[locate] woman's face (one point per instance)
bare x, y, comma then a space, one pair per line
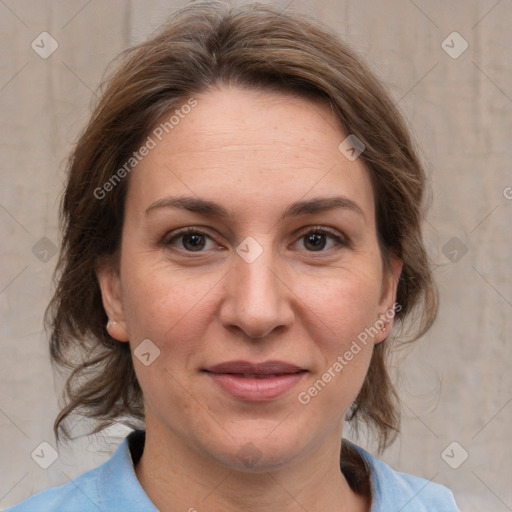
249, 323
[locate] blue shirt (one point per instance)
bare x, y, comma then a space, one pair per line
113, 487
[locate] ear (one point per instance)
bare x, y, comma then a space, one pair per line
110, 284
388, 298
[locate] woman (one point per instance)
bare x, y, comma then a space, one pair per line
242, 244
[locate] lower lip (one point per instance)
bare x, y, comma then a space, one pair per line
256, 390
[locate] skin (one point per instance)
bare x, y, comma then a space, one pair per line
253, 152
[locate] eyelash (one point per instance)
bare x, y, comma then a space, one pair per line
340, 240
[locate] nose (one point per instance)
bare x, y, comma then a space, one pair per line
258, 297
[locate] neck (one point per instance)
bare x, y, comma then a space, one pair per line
178, 478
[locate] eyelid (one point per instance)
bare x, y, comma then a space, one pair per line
323, 229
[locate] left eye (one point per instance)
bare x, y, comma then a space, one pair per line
317, 240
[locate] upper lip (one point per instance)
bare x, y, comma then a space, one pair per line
248, 368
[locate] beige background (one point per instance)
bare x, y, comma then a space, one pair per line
456, 384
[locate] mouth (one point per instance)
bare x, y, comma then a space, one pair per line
255, 382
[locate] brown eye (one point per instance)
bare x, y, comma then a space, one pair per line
317, 240
190, 240
193, 242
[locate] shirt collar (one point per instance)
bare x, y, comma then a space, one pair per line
375, 485
119, 488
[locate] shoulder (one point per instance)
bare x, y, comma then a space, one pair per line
77, 495
393, 490
112, 486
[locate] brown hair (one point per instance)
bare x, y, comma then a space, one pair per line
204, 44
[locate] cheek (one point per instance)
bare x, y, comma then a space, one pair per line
346, 302
169, 307
345, 309
158, 298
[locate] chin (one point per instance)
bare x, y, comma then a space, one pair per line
259, 452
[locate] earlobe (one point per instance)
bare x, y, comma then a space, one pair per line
117, 330
110, 285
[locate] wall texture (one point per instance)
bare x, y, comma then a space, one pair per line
456, 383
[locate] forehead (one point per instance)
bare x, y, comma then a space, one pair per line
250, 149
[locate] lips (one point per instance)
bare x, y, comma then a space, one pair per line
245, 368
255, 381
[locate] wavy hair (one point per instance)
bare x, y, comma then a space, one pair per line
256, 46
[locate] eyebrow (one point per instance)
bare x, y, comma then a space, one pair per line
212, 209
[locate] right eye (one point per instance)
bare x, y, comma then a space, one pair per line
189, 239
